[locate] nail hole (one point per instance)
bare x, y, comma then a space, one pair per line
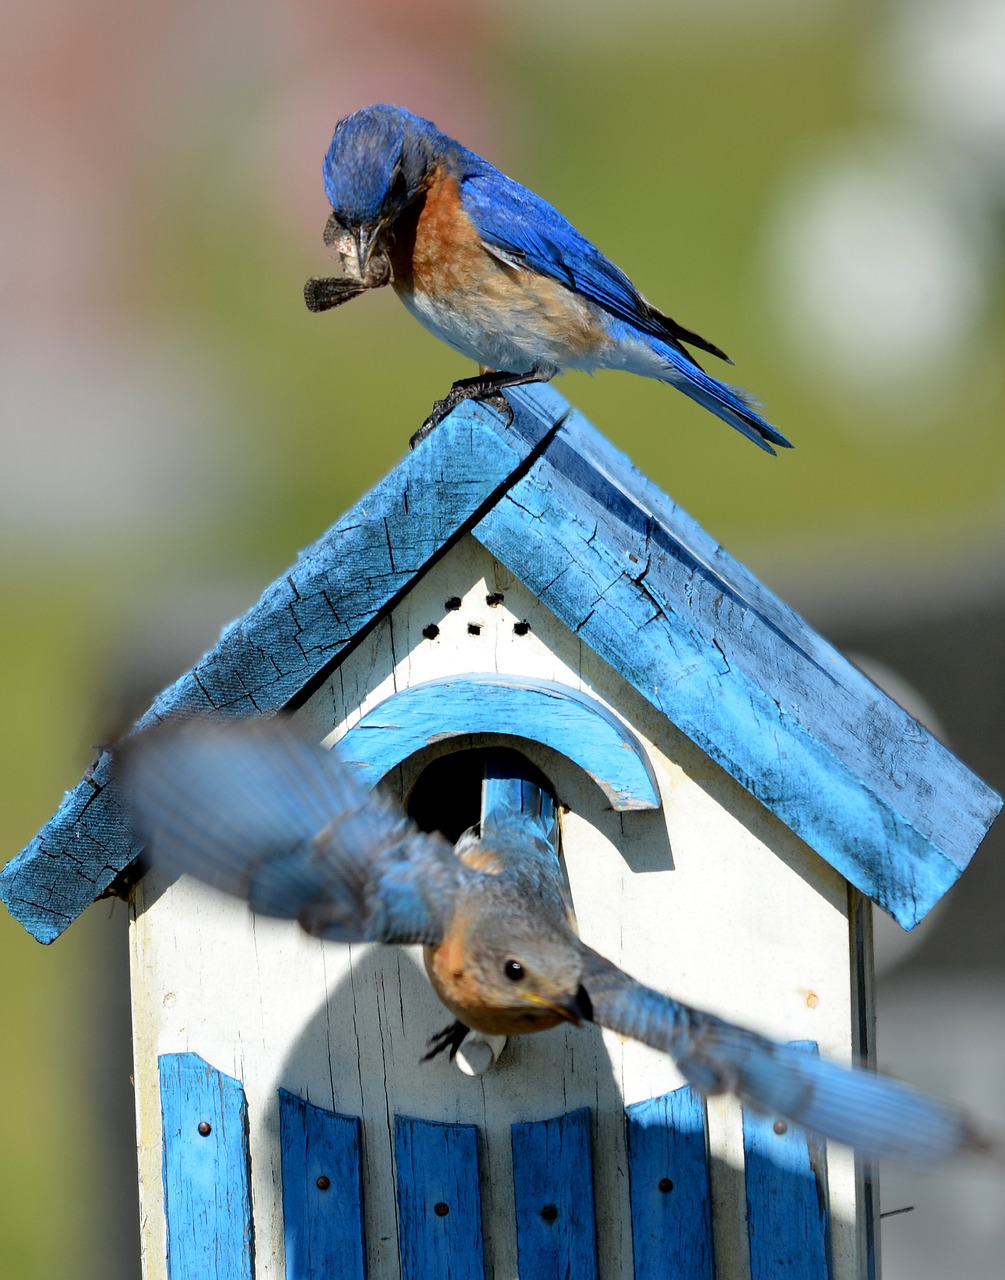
453, 603
205, 1128
521, 628
780, 1127
431, 632
665, 1185
440, 1209
474, 628
324, 1183
549, 1213
494, 598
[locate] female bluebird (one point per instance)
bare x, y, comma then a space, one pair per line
261, 812
495, 271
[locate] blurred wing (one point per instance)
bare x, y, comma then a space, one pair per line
525, 231
261, 812
878, 1116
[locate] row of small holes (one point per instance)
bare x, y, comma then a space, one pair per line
474, 629
493, 600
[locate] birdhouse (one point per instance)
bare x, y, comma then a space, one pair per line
733, 797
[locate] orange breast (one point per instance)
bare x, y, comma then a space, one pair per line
457, 986
436, 248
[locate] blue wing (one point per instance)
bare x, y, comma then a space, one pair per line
877, 1115
261, 812
526, 230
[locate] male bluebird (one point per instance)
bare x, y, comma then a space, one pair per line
259, 811
495, 271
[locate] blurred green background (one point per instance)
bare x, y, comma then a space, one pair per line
819, 188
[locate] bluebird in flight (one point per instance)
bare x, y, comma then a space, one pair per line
263, 813
495, 271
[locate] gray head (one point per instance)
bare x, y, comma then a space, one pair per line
529, 962
376, 166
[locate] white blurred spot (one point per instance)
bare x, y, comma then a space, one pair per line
945, 61
879, 262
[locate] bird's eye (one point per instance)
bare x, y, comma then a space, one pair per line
513, 970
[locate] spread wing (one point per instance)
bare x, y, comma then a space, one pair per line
525, 231
877, 1115
260, 811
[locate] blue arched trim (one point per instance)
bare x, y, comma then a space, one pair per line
555, 715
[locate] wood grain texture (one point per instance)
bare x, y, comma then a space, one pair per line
684, 898
207, 1200
284, 646
788, 1218
543, 711
556, 1230
643, 586
741, 674
439, 1202
671, 1195
322, 1191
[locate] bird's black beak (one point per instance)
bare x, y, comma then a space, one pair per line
365, 238
577, 1009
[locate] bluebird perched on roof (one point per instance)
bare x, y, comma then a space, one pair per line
495, 271
264, 813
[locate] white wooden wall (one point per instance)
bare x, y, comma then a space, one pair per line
711, 899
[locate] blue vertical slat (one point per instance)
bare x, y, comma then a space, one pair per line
787, 1211
439, 1200
322, 1191
207, 1199
556, 1231
670, 1192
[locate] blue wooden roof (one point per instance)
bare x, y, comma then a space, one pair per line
620, 564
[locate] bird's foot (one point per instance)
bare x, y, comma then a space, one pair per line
466, 389
451, 1038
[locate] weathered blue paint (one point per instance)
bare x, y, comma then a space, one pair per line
671, 1195
556, 1231
439, 1201
787, 1204
286, 644
322, 1191
207, 1200
617, 561
556, 715
741, 674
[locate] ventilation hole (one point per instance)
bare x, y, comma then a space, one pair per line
494, 598
431, 632
474, 628
521, 628
453, 603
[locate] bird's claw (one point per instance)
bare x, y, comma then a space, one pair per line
450, 1038
458, 394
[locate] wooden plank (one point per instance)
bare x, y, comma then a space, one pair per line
284, 646
322, 1191
207, 1201
671, 1195
746, 679
555, 715
788, 1217
553, 1190
439, 1201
